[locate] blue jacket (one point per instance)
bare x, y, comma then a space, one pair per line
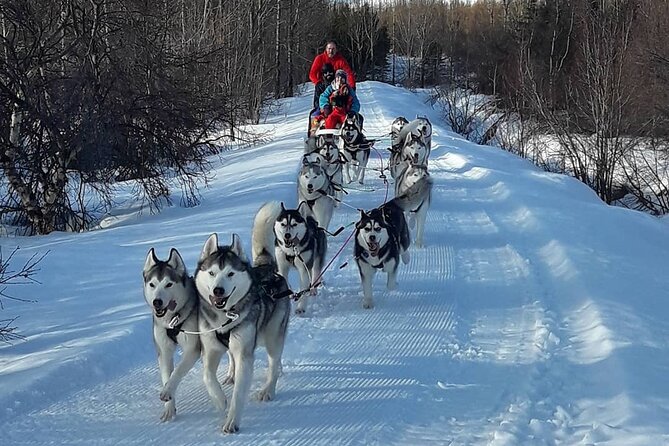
325, 99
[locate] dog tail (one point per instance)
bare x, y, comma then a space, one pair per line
262, 238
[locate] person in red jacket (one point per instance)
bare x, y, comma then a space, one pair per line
331, 56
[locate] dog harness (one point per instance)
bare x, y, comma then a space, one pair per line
173, 332
313, 201
298, 248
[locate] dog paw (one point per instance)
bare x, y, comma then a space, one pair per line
169, 413
166, 394
265, 395
299, 311
230, 427
367, 304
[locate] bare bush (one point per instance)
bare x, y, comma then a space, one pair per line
9, 276
471, 115
646, 170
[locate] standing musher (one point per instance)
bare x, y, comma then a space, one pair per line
334, 58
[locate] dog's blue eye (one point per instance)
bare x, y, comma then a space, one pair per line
169, 285
377, 229
230, 274
211, 273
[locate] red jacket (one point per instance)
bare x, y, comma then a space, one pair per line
338, 62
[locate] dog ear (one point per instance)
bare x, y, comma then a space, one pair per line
236, 246
210, 246
300, 208
176, 262
151, 260
358, 224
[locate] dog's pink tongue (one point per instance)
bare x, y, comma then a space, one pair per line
172, 305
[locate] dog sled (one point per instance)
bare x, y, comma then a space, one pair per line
316, 121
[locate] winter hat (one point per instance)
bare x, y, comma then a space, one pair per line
341, 73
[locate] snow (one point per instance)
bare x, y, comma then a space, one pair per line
535, 315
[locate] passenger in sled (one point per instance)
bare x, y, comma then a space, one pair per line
337, 101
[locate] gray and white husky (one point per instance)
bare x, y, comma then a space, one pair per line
413, 193
327, 155
395, 130
170, 292
381, 239
315, 189
420, 128
241, 306
299, 243
334, 170
355, 149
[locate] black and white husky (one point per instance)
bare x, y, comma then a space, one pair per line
170, 292
381, 239
299, 243
355, 149
413, 193
316, 190
241, 306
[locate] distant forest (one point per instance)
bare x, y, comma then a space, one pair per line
93, 92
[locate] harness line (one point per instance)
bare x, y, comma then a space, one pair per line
316, 283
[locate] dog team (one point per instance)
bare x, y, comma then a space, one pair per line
233, 303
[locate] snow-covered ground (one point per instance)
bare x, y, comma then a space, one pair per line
536, 315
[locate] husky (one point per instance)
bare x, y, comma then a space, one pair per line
381, 239
241, 306
299, 243
413, 193
414, 151
315, 189
170, 292
395, 129
420, 128
404, 136
324, 152
355, 150
333, 168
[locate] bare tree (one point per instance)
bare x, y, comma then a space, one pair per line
98, 91
589, 121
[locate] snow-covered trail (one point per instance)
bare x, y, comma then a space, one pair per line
515, 325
